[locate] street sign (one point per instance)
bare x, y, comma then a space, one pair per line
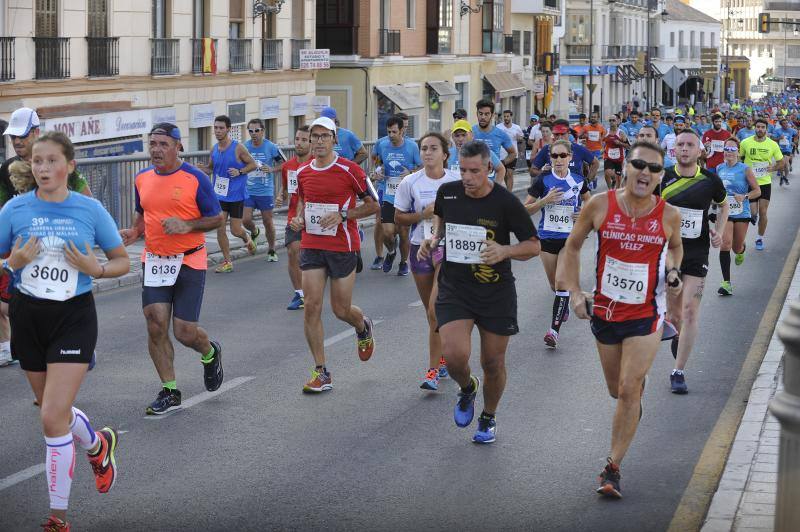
315, 59
674, 78
592, 86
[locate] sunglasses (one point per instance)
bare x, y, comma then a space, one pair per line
251, 131
563, 155
640, 164
731, 149
23, 137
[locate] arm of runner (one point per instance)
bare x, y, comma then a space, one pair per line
176, 226
429, 244
593, 168
568, 273
118, 262
755, 190
299, 221
245, 157
129, 236
360, 155
672, 224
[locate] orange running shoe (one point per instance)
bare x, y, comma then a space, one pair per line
103, 463
365, 341
320, 382
54, 524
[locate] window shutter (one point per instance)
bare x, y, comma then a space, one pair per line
47, 18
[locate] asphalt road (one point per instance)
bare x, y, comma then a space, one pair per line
378, 453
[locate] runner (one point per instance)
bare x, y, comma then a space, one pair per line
758, 152
545, 139
745, 131
713, 140
461, 134
414, 207
638, 240
661, 128
175, 206
632, 126
740, 183
348, 145
583, 162
302, 150
396, 159
49, 233
559, 195
614, 146
592, 135
494, 137
261, 185
515, 135
692, 190
647, 134
228, 165
327, 189
475, 218
786, 138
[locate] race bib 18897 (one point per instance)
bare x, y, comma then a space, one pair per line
464, 243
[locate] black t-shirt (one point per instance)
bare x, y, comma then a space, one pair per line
692, 195
501, 213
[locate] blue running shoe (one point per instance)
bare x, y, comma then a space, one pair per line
431, 381
465, 407
759, 244
487, 427
377, 264
297, 302
678, 383
443, 373
388, 262
403, 270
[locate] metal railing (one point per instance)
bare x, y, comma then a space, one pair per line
438, 41
389, 42
198, 54
683, 52
164, 56
579, 51
271, 54
103, 56
52, 57
240, 55
694, 51
297, 45
615, 51
7, 54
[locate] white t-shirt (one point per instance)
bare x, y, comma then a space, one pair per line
513, 131
416, 192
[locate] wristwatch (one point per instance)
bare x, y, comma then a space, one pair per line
677, 279
7, 267
343, 214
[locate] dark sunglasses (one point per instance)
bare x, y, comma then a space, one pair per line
559, 155
640, 164
23, 137
251, 131
731, 149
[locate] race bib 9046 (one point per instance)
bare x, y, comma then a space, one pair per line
558, 218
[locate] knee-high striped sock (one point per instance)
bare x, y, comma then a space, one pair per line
82, 432
59, 465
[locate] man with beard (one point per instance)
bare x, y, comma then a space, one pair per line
714, 140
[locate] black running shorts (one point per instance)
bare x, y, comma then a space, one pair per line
338, 264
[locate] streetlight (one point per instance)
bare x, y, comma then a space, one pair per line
652, 5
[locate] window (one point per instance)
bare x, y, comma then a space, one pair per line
198, 139
463, 95
97, 11
516, 42
434, 111
527, 38
161, 8
493, 24
236, 112
271, 129
47, 18
761, 50
199, 19
711, 41
439, 18
672, 39
298, 20
236, 19
793, 51
769, 50
411, 14
297, 122
577, 29
702, 39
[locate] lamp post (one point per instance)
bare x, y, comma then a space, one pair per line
591, 56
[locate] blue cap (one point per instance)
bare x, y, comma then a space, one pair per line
534, 117
328, 112
165, 128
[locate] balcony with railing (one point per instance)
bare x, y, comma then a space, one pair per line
389, 42
7, 55
297, 45
438, 41
198, 54
340, 40
615, 51
579, 51
164, 56
52, 57
103, 56
240, 55
553, 4
683, 52
271, 54
694, 52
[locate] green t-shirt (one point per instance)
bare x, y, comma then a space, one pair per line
758, 155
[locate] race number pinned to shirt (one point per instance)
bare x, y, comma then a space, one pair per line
392, 184
291, 181
760, 169
691, 222
735, 206
221, 185
427, 229
50, 276
613, 153
594, 136
261, 175
625, 282
314, 212
717, 145
558, 218
161, 271
463, 243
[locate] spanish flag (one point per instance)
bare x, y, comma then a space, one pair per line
209, 56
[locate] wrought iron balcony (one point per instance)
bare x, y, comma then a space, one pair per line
240, 55
297, 45
52, 57
198, 52
103, 56
7, 54
271, 54
390, 42
164, 56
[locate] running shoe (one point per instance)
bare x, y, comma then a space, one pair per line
388, 262
54, 524
443, 373
609, 481
103, 464
365, 341
252, 247
677, 382
167, 400
725, 289
377, 264
487, 428
297, 303
212, 370
5, 357
225, 267
402, 269
759, 244
254, 234
431, 381
272, 256
320, 382
669, 331
738, 258
465, 406
673, 346
551, 339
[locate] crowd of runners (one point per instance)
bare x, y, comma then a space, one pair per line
674, 185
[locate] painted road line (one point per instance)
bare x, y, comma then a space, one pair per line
345, 334
22, 476
202, 397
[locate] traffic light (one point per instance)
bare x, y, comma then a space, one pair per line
763, 23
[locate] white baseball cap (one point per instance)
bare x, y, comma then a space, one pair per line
22, 121
325, 122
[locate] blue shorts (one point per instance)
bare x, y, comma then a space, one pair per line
262, 203
185, 296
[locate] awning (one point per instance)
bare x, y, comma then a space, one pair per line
444, 89
656, 72
506, 84
633, 73
401, 96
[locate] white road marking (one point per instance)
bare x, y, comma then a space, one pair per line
22, 476
205, 396
344, 334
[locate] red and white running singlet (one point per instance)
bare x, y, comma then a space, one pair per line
631, 259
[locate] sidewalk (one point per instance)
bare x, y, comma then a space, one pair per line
745, 497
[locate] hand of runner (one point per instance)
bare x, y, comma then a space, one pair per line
674, 289
554, 195
716, 238
493, 252
739, 197
175, 226
546, 167
378, 174
234, 172
578, 301
427, 212
279, 202
22, 254
426, 248
84, 262
332, 219
129, 236
297, 223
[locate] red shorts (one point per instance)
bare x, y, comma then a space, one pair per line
5, 281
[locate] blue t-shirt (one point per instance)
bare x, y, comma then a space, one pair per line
235, 188
745, 133
663, 131
78, 219
580, 155
631, 129
452, 162
701, 128
735, 180
785, 144
495, 138
396, 161
260, 183
348, 144
573, 186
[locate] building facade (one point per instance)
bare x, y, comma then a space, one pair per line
104, 71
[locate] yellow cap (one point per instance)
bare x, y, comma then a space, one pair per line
462, 125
